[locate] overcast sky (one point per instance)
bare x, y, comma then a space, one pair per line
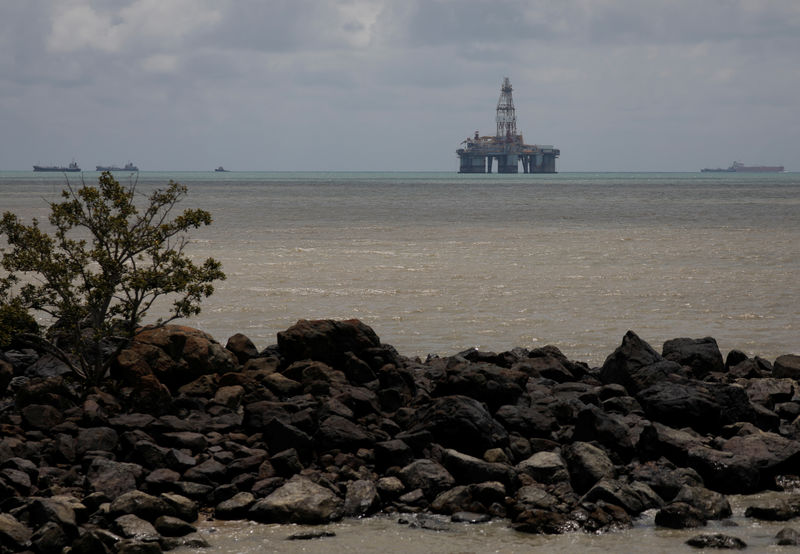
397, 84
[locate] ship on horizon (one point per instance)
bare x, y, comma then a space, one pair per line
72, 167
738, 167
127, 167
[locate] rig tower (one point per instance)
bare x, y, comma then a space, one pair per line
507, 147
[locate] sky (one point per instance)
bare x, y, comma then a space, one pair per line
396, 85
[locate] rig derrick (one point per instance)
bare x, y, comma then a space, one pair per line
507, 146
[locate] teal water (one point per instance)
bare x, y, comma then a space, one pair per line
439, 262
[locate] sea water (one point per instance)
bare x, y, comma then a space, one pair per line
437, 263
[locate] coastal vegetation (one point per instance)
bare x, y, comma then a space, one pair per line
98, 270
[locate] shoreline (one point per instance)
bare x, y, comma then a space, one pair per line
331, 423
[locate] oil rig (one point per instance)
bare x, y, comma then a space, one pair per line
507, 147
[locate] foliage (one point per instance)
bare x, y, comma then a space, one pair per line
103, 267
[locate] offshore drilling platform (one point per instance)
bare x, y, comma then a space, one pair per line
507, 147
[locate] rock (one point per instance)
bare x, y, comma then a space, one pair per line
529, 421
461, 423
712, 505
702, 355
545, 467
468, 469
775, 507
133, 546
169, 526
210, 472
587, 464
41, 416
96, 438
787, 366
56, 509
242, 347
679, 515
610, 430
716, 540
113, 478
90, 542
235, 507
141, 504
310, 535
542, 522
181, 506
361, 499
632, 355
130, 526
470, 517
394, 452
300, 500
788, 537
336, 432
14, 534
769, 453
326, 340
428, 476
681, 405
724, 472
664, 477
633, 499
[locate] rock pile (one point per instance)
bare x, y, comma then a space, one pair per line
331, 423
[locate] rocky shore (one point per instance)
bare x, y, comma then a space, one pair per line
331, 423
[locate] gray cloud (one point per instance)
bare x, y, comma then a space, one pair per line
174, 83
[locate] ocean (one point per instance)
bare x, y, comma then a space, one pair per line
437, 263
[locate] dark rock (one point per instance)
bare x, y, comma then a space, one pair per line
528, 421
542, 522
461, 423
310, 535
717, 540
769, 391
41, 416
681, 405
286, 462
427, 475
113, 478
96, 438
361, 499
788, 537
427, 521
242, 347
702, 355
90, 542
468, 469
130, 526
14, 534
633, 499
734, 358
545, 467
169, 526
210, 472
679, 515
724, 472
775, 507
338, 432
326, 340
141, 504
181, 506
664, 477
712, 505
632, 355
609, 430
298, 501
587, 464
58, 509
394, 452
788, 366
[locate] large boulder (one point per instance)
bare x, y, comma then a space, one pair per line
461, 423
587, 464
681, 405
787, 365
300, 500
328, 341
630, 356
702, 355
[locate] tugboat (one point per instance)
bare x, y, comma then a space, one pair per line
128, 167
72, 167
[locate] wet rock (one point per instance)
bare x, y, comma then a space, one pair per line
113, 478
242, 347
50, 538
470, 517
311, 535
209, 472
542, 522
712, 505
681, 405
91, 542
58, 509
702, 355
181, 507
610, 430
300, 500
634, 499
664, 477
717, 540
679, 515
326, 340
788, 537
775, 507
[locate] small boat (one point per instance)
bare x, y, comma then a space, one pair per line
221, 169
738, 167
72, 167
127, 167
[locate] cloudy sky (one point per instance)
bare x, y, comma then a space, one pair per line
346, 85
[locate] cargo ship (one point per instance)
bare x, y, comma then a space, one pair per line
741, 168
127, 167
72, 167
